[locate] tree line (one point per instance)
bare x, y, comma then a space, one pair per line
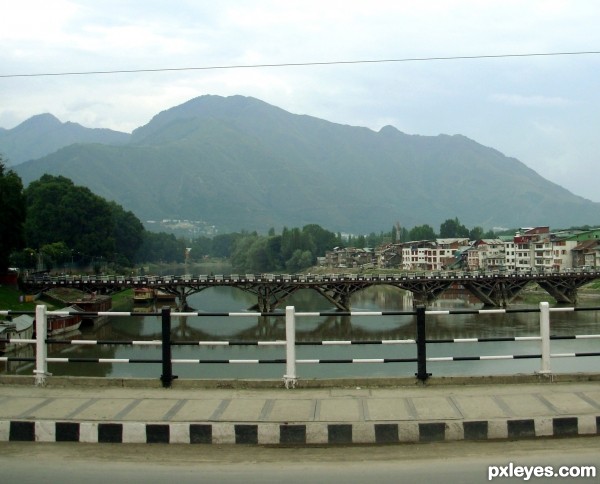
66, 225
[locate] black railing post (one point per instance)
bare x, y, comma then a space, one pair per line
167, 367
421, 346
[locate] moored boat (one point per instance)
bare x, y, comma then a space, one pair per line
164, 296
20, 327
143, 295
59, 324
93, 304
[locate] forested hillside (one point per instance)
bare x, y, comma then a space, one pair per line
239, 163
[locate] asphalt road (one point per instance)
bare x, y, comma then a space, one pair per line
448, 462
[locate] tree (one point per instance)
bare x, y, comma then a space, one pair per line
321, 240
476, 233
422, 232
452, 228
128, 232
300, 259
61, 212
161, 247
55, 254
12, 215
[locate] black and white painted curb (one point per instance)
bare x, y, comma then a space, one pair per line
296, 434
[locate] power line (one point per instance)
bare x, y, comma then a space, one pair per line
300, 64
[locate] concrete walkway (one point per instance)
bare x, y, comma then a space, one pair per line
95, 411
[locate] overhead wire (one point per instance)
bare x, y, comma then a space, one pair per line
299, 64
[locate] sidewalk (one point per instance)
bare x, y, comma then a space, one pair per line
276, 416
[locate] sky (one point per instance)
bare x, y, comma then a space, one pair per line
543, 110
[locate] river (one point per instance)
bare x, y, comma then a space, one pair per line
377, 298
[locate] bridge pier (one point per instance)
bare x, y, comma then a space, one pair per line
339, 294
424, 291
270, 296
563, 290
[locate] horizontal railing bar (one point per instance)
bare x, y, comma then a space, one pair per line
102, 360
358, 360
484, 340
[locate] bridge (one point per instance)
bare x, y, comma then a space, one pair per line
496, 289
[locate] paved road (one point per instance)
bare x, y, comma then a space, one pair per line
448, 462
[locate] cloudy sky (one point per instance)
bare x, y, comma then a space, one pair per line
543, 110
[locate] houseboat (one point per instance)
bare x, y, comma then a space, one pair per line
143, 295
93, 304
59, 324
164, 296
20, 327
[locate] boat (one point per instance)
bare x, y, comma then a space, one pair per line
90, 304
164, 296
60, 324
143, 295
93, 303
20, 327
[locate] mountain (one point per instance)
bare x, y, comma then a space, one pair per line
240, 163
44, 134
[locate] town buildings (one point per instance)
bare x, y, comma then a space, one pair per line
533, 249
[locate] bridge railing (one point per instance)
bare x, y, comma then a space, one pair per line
290, 377
68, 279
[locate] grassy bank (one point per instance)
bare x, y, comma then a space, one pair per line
10, 298
122, 300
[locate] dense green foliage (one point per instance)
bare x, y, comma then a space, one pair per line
12, 214
65, 221
160, 247
291, 251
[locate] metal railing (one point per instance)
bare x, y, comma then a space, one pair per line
290, 360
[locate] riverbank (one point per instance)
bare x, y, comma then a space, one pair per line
14, 300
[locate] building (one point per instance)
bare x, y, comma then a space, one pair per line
586, 254
431, 255
487, 254
350, 257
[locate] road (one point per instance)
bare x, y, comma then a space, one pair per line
448, 462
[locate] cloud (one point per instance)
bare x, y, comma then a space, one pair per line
531, 101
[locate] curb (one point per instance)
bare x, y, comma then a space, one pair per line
296, 434
240, 384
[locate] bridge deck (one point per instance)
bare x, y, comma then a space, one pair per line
491, 288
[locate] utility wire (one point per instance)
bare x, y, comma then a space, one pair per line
300, 64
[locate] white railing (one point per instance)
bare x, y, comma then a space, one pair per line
290, 360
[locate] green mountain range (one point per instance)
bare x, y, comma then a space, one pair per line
44, 134
239, 163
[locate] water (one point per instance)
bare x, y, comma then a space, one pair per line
379, 298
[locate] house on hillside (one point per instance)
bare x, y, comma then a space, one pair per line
350, 257
431, 255
586, 254
389, 255
487, 255
533, 249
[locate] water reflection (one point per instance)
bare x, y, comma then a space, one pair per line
332, 327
